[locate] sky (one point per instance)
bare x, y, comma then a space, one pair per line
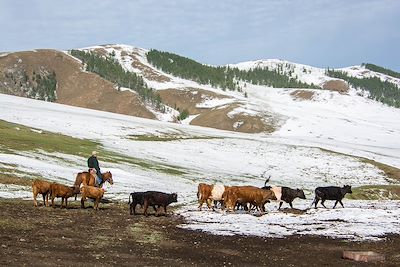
320, 33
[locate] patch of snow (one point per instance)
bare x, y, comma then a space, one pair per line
359, 220
189, 119
15, 191
248, 110
210, 102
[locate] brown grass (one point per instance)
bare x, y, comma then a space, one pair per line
218, 118
6, 178
302, 95
187, 98
336, 85
390, 171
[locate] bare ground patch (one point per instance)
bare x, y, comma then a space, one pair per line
302, 95
218, 118
188, 99
111, 237
336, 85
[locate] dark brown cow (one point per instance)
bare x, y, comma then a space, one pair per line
137, 199
152, 198
63, 191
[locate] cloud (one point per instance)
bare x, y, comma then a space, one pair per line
217, 32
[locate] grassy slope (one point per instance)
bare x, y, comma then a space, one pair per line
18, 138
373, 192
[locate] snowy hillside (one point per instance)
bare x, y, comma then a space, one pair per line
363, 127
208, 155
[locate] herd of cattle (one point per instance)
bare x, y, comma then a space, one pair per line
230, 197
248, 197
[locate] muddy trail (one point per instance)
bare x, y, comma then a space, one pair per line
46, 236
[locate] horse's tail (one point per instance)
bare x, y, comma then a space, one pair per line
78, 181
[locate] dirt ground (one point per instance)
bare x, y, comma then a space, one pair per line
45, 236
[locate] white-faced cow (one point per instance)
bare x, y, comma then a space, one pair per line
331, 193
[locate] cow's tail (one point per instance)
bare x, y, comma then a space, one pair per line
267, 180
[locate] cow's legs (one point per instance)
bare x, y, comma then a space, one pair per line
96, 204
208, 201
201, 201
322, 203
132, 208
66, 202
316, 200
146, 205
44, 199
47, 199
340, 201
83, 202
280, 205
52, 201
291, 205
34, 198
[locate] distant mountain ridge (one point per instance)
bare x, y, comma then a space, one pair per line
170, 87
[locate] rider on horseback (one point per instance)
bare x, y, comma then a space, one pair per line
93, 163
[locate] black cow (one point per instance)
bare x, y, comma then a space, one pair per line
152, 198
137, 199
331, 193
289, 194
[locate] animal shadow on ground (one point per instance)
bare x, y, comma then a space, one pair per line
294, 211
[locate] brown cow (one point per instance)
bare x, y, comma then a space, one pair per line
41, 187
93, 193
204, 194
247, 194
63, 191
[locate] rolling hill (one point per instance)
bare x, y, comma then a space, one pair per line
129, 80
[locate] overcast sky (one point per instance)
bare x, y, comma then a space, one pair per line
321, 33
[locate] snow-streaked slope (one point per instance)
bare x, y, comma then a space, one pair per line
226, 157
362, 72
364, 127
303, 73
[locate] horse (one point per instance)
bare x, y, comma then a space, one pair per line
86, 178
